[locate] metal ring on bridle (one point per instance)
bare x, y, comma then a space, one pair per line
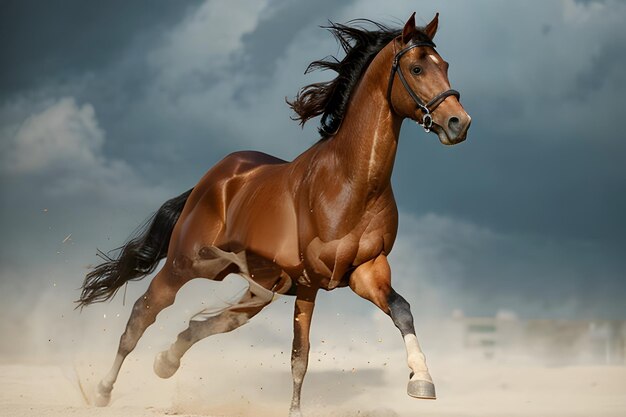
426, 108
427, 122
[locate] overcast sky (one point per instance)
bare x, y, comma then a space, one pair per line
107, 109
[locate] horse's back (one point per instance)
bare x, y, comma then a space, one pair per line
217, 187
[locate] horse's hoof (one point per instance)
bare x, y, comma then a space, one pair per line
421, 389
103, 396
163, 366
295, 412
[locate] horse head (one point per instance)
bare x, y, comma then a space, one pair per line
423, 93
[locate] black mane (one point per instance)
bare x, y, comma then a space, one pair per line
330, 98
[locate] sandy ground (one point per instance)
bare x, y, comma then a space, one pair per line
52, 359
260, 386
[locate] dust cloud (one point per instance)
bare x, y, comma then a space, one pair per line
53, 356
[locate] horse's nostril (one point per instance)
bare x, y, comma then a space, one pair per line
454, 123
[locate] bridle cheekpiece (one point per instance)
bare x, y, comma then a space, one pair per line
426, 108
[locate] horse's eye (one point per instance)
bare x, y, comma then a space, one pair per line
416, 70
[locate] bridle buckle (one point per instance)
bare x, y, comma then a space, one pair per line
427, 121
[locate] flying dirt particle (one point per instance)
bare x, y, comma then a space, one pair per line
104, 316
45, 210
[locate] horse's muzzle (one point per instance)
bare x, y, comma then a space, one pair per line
455, 129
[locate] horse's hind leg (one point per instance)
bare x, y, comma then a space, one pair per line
160, 294
303, 312
167, 362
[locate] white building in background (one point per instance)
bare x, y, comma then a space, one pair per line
557, 342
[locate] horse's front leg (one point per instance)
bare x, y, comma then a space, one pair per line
372, 281
303, 311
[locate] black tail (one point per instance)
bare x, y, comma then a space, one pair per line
137, 258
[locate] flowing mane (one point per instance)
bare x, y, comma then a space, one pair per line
330, 98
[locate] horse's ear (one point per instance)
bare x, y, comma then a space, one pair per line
431, 28
409, 29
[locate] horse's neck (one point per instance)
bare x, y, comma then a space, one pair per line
367, 140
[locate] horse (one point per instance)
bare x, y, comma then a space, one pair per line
325, 220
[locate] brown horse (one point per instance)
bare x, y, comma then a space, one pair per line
326, 219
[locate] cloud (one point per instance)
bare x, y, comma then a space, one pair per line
58, 180
199, 48
279, 24
47, 44
63, 135
64, 144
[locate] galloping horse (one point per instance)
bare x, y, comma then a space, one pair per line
326, 219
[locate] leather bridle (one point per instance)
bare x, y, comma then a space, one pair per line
426, 108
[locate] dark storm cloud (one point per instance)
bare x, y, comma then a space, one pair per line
57, 40
284, 19
606, 69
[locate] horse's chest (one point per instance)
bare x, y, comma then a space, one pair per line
329, 262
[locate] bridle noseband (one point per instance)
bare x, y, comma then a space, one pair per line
428, 108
